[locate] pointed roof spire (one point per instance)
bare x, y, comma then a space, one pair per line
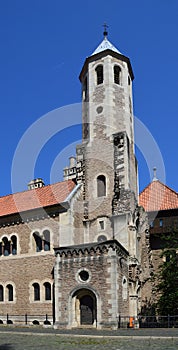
154, 174
105, 44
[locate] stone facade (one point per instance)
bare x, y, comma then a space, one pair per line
98, 261
26, 266
80, 271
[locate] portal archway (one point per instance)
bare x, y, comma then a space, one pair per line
84, 308
87, 310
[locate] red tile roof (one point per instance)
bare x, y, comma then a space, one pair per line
157, 196
36, 198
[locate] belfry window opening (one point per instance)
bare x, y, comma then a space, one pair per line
117, 75
85, 89
99, 74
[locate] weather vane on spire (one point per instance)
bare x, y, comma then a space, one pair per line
105, 33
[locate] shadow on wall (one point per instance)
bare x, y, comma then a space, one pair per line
6, 347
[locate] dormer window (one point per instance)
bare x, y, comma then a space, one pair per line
117, 75
99, 74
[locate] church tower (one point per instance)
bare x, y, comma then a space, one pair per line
102, 251
106, 163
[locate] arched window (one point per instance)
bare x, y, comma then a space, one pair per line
46, 235
1, 293
124, 288
10, 296
6, 246
14, 245
36, 289
85, 89
38, 241
99, 74
101, 186
0, 248
47, 286
117, 75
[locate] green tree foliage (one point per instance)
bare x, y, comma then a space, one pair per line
168, 275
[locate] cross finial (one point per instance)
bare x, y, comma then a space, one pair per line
105, 33
154, 174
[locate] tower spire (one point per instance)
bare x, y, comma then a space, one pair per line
154, 174
105, 33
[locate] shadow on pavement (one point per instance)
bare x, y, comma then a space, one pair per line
6, 347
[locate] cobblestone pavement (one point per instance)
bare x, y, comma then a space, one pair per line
13, 338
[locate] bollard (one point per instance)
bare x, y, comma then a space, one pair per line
131, 322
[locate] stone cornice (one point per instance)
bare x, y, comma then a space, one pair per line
94, 248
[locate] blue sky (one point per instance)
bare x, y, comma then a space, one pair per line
43, 47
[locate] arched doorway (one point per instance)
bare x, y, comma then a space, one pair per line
84, 308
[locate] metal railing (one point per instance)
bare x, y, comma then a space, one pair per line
26, 319
158, 321
144, 321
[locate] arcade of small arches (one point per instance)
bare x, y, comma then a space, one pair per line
41, 291
116, 74
6, 292
117, 78
41, 241
38, 292
8, 245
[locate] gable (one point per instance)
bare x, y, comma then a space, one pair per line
157, 196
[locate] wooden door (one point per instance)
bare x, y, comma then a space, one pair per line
86, 310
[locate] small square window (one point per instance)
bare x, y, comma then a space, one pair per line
101, 223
